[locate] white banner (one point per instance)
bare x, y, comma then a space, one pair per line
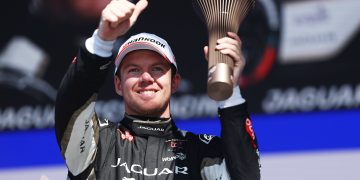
317, 30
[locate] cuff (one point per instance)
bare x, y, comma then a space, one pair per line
233, 100
95, 45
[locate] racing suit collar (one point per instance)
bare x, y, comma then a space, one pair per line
149, 126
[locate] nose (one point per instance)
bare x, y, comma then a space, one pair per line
146, 78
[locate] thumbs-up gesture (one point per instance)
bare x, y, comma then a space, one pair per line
118, 17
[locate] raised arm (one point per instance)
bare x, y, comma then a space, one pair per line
76, 124
238, 141
88, 70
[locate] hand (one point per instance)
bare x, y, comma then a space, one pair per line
231, 46
118, 17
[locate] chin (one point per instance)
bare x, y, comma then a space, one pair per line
154, 107
148, 113
153, 110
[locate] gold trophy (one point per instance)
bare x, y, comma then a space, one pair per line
220, 17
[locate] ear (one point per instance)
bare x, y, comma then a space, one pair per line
175, 82
118, 86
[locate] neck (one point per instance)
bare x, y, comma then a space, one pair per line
149, 126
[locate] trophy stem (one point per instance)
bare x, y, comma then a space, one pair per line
220, 86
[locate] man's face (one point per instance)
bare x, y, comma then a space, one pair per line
146, 83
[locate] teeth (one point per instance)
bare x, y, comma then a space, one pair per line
147, 92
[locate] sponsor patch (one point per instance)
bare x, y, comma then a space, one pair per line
206, 138
175, 144
250, 131
150, 172
180, 156
151, 128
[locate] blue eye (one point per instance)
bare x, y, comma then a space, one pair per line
133, 70
158, 69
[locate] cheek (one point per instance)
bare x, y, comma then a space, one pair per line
168, 86
128, 84
123, 85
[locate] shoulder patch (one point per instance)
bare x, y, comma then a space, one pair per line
183, 132
103, 123
205, 138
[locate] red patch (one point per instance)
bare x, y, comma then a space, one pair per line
250, 131
173, 144
126, 135
74, 60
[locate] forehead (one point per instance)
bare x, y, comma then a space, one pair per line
143, 57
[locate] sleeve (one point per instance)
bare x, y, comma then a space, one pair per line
212, 162
235, 154
239, 143
76, 124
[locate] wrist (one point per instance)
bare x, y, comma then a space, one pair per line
96, 45
233, 100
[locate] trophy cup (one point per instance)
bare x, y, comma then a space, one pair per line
220, 17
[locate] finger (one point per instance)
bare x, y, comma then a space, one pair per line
117, 11
108, 16
229, 40
111, 18
139, 7
238, 58
232, 54
206, 52
234, 36
126, 3
122, 8
122, 12
233, 47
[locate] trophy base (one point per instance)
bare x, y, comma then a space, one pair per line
220, 85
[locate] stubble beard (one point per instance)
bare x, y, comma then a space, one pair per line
155, 110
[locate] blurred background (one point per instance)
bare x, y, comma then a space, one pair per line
302, 81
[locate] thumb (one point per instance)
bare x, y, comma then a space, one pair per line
139, 7
206, 52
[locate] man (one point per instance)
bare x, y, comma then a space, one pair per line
146, 144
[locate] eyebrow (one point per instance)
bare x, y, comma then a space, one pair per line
138, 65
162, 64
129, 65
